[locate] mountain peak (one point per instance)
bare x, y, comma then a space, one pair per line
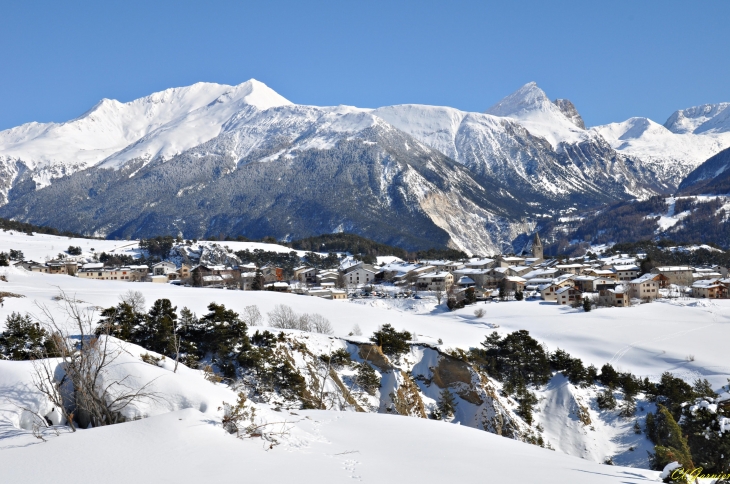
700, 119
527, 98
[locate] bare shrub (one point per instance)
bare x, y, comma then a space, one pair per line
251, 316
479, 313
690, 357
356, 330
283, 317
87, 393
320, 324
135, 299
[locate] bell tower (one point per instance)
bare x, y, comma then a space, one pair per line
537, 247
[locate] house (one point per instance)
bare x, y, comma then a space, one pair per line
605, 273
159, 278
548, 292
217, 275
443, 265
247, 279
305, 274
679, 275
570, 268
359, 275
328, 276
518, 270
709, 289
626, 272
338, 295
504, 261
479, 263
435, 281
185, 272
614, 297
645, 287
568, 295
514, 284
465, 281
272, 273
277, 286
163, 268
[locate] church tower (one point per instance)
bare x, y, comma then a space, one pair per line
537, 247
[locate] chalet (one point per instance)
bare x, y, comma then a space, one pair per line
645, 287
568, 295
479, 276
679, 275
570, 268
605, 273
614, 297
709, 289
518, 270
444, 265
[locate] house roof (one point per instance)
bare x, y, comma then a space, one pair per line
644, 278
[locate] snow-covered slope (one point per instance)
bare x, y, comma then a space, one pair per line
673, 154
707, 118
159, 125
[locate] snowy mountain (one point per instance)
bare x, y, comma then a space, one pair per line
160, 125
673, 150
210, 159
711, 177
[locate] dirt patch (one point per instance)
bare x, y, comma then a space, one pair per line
374, 355
407, 399
451, 371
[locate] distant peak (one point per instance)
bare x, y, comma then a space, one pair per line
568, 109
527, 98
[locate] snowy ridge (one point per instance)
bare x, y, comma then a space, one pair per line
159, 125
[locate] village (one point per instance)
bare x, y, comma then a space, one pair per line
615, 280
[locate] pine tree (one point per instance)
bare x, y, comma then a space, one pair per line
24, 340
446, 404
586, 304
606, 400
670, 443
157, 332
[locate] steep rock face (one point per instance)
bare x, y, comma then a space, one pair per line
711, 177
568, 109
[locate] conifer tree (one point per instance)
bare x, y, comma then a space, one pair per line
446, 404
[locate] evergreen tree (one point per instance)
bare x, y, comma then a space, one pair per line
606, 400
519, 295
224, 335
586, 304
391, 342
158, 331
24, 340
120, 321
670, 443
446, 405
258, 281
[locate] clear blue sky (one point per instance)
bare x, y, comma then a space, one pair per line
613, 59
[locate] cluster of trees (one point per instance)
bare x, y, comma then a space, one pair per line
8, 224
24, 339
159, 246
5, 257
287, 261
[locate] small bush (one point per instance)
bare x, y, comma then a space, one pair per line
479, 313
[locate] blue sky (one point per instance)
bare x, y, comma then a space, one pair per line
613, 59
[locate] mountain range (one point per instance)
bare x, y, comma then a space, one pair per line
210, 159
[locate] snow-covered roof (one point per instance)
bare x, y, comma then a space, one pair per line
92, 266
644, 278
673, 268
630, 267
466, 280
